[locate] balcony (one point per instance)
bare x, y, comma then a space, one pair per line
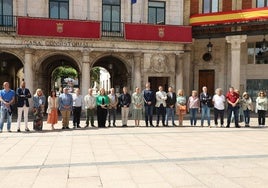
85, 29
8, 23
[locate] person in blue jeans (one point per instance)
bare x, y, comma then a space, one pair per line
193, 106
149, 100
206, 103
7, 99
171, 103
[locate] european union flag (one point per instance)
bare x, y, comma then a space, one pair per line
133, 1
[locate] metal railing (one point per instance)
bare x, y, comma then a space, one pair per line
8, 23
112, 29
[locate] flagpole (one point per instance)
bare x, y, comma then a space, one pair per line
131, 12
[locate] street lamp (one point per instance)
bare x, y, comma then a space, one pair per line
209, 46
264, 44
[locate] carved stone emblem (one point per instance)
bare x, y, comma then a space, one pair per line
159, 63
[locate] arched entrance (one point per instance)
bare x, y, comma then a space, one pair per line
11, 69
119, 73
49, 65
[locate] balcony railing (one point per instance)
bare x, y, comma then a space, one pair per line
8, 23
112, 29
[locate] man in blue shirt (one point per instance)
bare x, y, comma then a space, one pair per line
149, 100
7, 98
65, 107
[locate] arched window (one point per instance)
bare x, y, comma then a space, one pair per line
59, 9
210, 6
6, 12
261, 3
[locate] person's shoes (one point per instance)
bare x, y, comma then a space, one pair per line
222, 126
247, 125
228, 126
124, 126
9, 131
67, 128
165, 125
27, 130
151, 125
86, 126
63, 128
78, 126
114, 125
74, 127
157, 125
93, 126
18, 130
237, 126
109, 125
174, 125
146, 125
0, 131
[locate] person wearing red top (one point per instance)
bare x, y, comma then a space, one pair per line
232, 99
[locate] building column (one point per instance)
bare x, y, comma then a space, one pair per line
236, 58
137, 70
85, 73
28, 70
179, 70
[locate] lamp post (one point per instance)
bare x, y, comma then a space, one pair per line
264, 44
209, 46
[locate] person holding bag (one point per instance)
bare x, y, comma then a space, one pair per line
181, 106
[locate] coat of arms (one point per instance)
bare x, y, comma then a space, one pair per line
59, 27
161, 32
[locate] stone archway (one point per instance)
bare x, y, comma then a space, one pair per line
119, 73
11, 69
48, 65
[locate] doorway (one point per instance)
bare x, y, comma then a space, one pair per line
158, 81
207, 78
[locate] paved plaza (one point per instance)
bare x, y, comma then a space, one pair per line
190, 157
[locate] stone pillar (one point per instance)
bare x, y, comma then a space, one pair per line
137, 70
28, 70
179, 71
235, 58
85, 73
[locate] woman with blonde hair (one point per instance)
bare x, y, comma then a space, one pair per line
52, 109
261, 107
246, 104
181, 106
39, 101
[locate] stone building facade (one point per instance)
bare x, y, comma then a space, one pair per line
130, 63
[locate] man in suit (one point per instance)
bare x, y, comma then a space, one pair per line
23, 94
170, 108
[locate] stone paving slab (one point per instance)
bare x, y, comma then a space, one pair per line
181, 157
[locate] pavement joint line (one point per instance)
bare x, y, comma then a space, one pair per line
112, 163
9, 135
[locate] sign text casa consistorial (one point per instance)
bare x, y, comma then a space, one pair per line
61, 43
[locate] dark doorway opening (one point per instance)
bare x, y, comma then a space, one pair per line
158, 81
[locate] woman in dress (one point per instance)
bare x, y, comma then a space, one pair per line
261, 107
52, 109
246, 104
102, 102
181, 106
137, 102
193, 107
39, 101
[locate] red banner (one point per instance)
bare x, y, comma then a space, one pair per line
58, 28
167, 33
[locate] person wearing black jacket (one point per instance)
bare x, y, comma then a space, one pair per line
23, 94
171, 104
124, 101
149, 100
206, 103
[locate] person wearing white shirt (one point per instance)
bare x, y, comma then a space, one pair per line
90, 105
77, 108
161, 97
219, 103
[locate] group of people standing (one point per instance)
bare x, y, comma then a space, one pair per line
166, 104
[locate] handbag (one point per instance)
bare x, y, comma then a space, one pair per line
181, 109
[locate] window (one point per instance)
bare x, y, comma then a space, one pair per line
156, 12
6, 12
257, 55
111, 15
210, 6
262, 3
59, 9
256, 85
